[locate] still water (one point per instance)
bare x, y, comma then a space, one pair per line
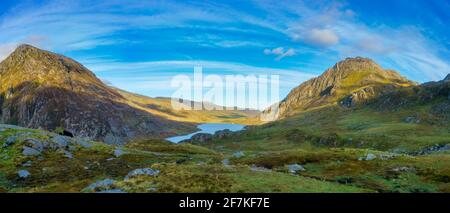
210, 128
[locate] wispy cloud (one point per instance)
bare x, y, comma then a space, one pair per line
334, 27
279, 52
320, 37
322, 30
153, 77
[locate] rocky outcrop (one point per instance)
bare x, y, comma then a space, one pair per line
40, 89
142, 172
205, 137
105, 184
349, 83
447, 78
434, 94
294, 168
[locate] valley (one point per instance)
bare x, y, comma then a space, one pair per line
356, 128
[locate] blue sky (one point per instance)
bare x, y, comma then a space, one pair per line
140, 45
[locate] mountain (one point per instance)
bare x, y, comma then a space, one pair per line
348, 83
433, 98
162, 106
40, 89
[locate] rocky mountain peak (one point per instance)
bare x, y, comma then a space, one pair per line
41, 89
30, 67
348, 82
357, 61
447, 78
36, 61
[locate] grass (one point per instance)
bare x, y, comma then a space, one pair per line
216, 178
273, 182
331, 143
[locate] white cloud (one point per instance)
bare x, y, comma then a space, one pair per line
152, 77
70, 25
321, 37
280, 52
340, 31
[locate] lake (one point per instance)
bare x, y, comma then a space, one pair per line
210, 128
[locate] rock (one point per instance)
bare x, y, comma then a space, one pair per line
221, 134
201, 137
27, 151
152, 189
83, 142
294, 168
23, 173
447, 78
72, 148
404, 169
329, 140
144, 171
27, 164
431, 149
36, 144
102, 184
68, 155
387, 156
398, 150
409, 119
239, 154
226, 162
61, 142
370, 156
118, 153
9, 141
8, 126
259, 169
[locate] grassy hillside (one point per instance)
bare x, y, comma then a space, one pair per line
338, 150
397, 150
182, 168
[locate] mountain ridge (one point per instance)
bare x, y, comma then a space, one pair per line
40, 89
349, 82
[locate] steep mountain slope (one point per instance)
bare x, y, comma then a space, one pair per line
348, 83
435, 95
447, 78
40, 89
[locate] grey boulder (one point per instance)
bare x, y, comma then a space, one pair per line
28, 151
23, 173
294, 168
102, 184
238, 154
144, 171
118, 153
370, 156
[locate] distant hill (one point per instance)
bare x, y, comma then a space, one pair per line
162, 106
348, 83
